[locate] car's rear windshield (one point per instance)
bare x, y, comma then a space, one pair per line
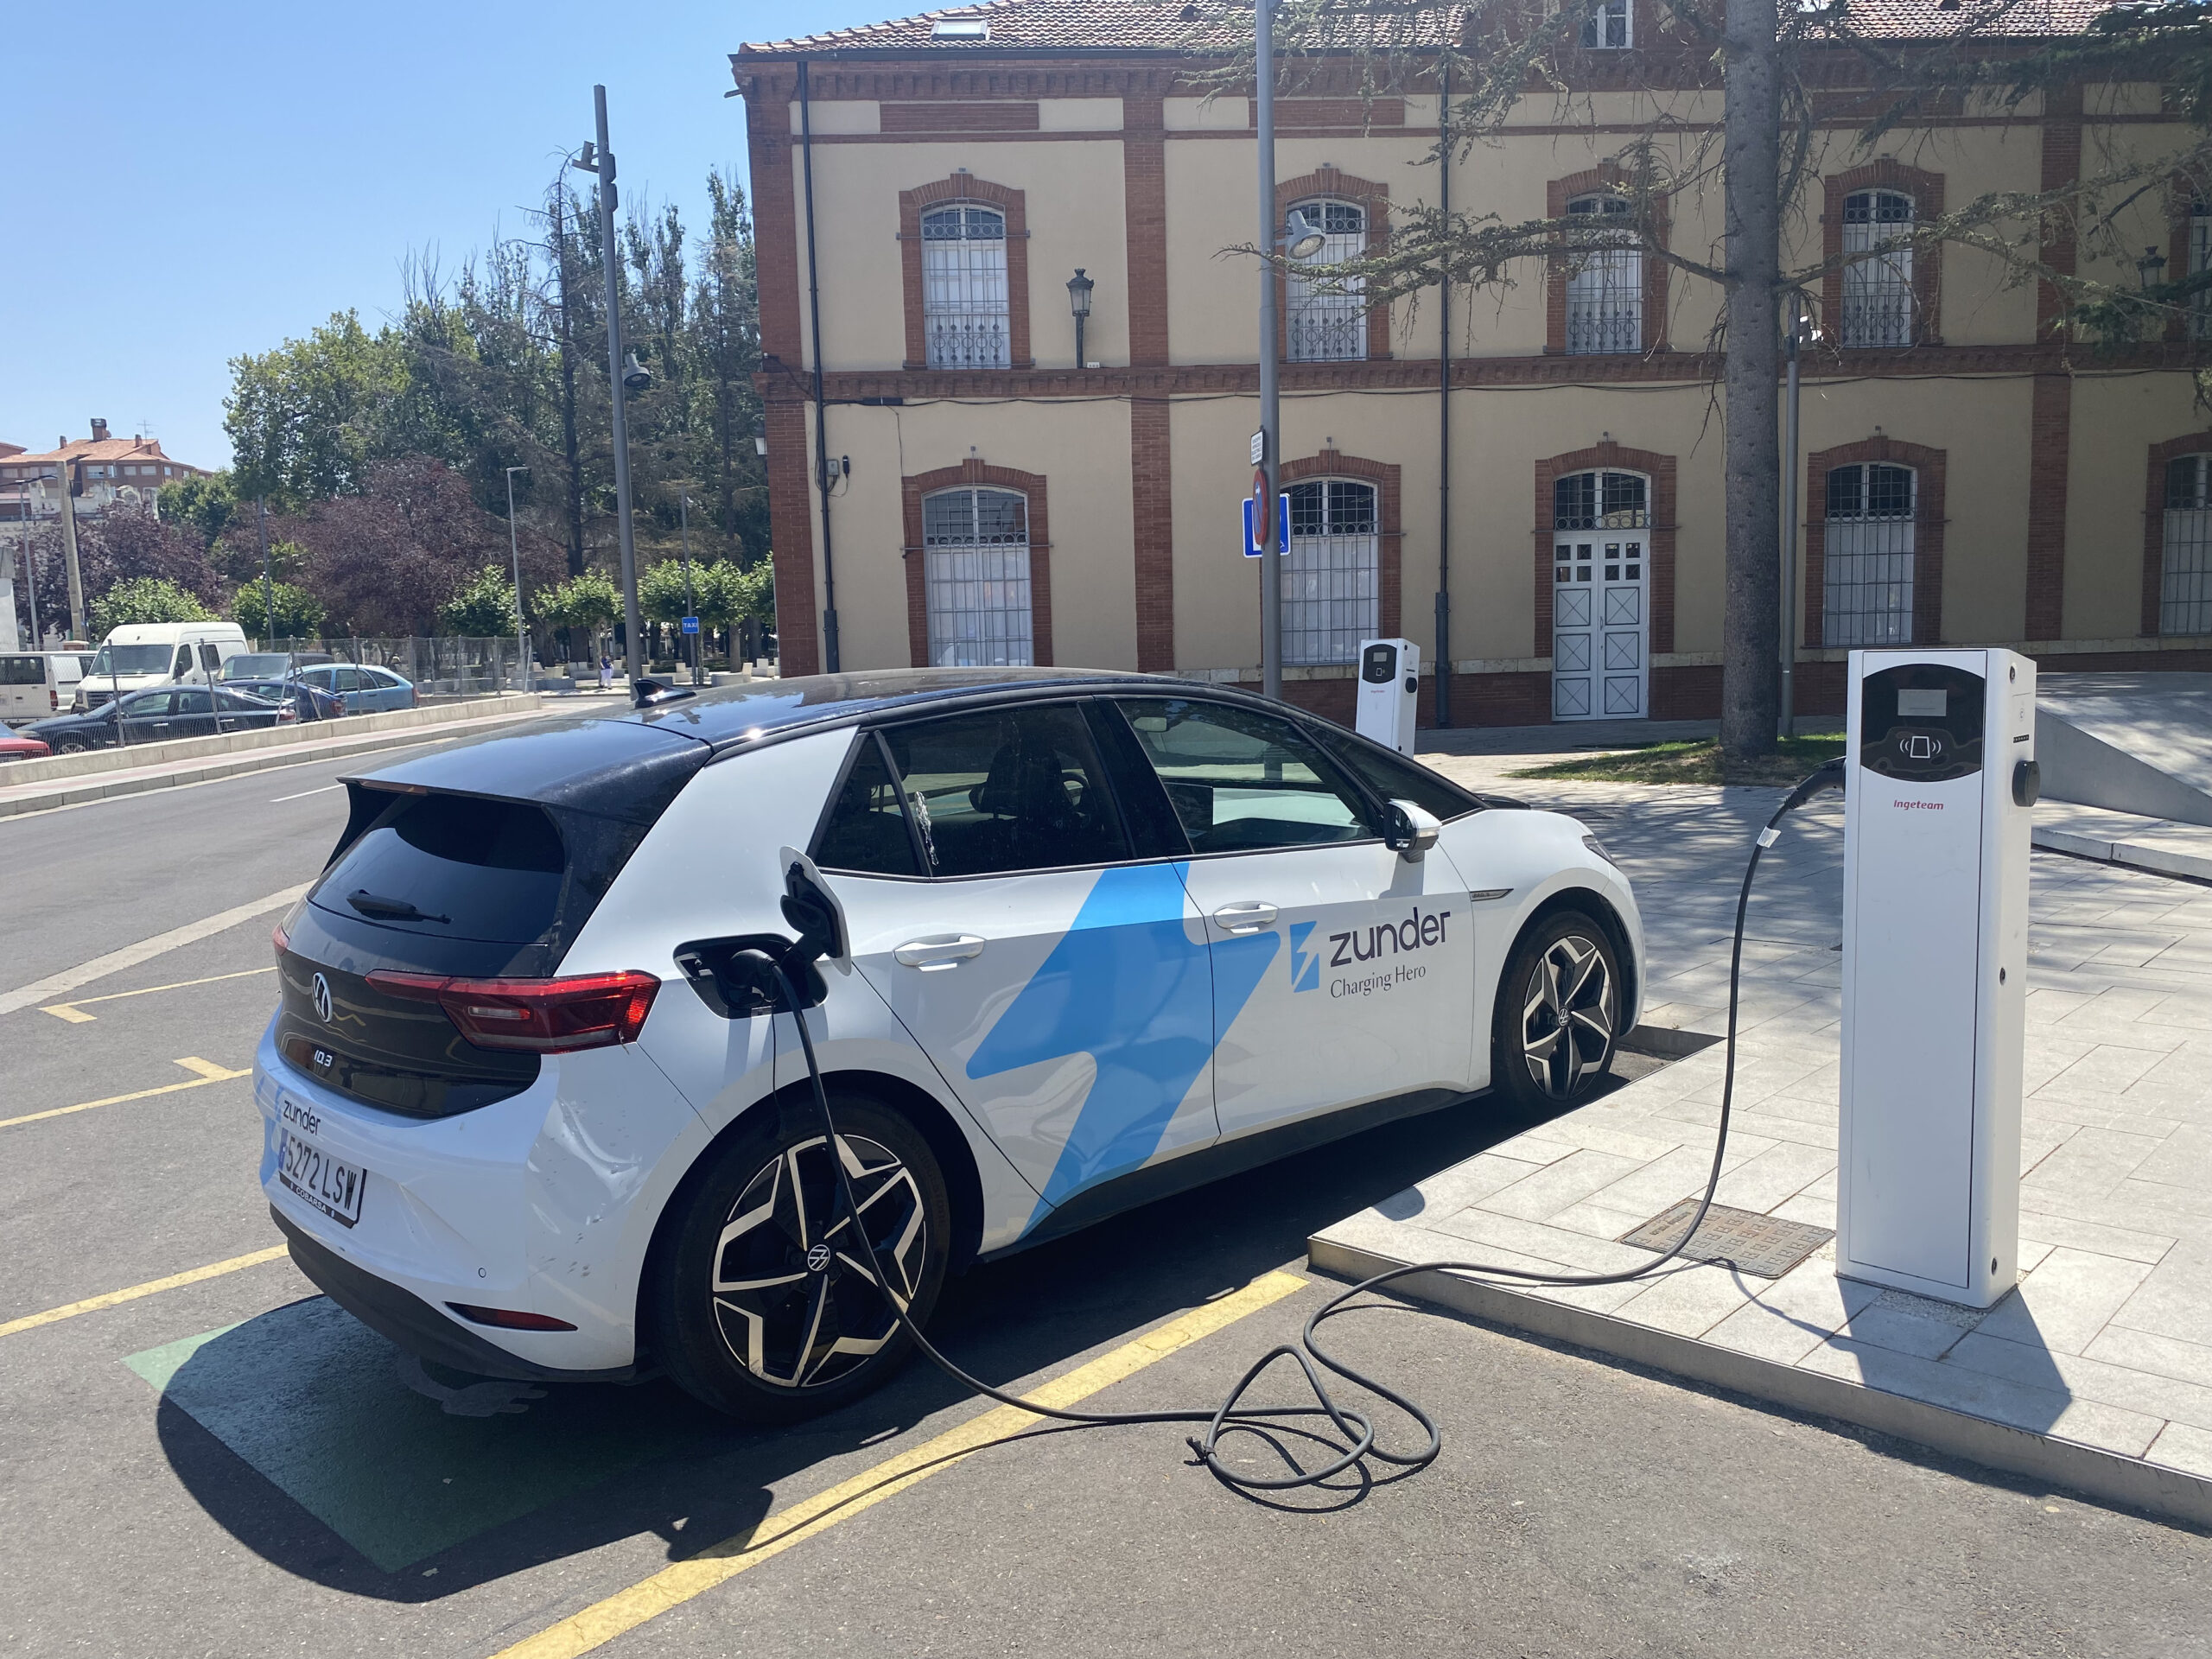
452, 867
266, 666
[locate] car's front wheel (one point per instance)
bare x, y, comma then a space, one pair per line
762, 1302
70, 746
1558, 1014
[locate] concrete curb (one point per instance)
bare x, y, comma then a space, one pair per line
55, 767
17, 799
2152, 1488
2134, 854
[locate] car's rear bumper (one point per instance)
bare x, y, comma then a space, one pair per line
412, 1323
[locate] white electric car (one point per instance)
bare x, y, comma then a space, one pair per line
532, 1112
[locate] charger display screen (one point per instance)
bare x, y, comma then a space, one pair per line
1921, 721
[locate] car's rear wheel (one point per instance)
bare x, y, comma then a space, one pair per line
71, 745
1558, 1015
762, 1302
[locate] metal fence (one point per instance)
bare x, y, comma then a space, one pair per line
441, 668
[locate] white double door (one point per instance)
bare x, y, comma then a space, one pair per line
1601, 625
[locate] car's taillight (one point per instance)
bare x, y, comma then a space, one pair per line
544, 1016
282, 940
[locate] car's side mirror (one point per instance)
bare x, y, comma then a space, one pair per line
1413, 831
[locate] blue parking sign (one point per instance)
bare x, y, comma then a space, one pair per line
1282, 527
690, 625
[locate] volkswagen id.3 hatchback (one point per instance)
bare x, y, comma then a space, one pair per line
532, 1110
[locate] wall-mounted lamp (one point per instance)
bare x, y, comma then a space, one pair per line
760, 437
1079, 287
2150, 270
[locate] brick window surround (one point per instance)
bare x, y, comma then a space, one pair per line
973, 473
1926, 190
2183, 192
1558, 193
966, 186
1389, 525
1374, 200
2154, 518
1927, 466
1611, 457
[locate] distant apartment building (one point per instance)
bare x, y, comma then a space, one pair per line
103, 471
1967, 474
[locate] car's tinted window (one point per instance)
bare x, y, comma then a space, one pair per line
471, 868
1242, 781
1155, 830
867, 830
22, 671
194, 702
147, 705
1015, 789
1396, 779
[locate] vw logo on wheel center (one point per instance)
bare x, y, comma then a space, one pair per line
322, 999
817, 1258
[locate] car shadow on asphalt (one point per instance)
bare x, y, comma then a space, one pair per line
310, 1440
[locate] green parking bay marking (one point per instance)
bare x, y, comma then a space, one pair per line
315, 1403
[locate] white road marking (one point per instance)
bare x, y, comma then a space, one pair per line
56, 985
303, 794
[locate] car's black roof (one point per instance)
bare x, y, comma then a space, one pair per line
599, 755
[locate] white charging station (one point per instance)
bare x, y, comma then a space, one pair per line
1389, 692
1942, 774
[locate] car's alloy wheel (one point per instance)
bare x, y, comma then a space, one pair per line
1557, 1018
759, 1298
1568, 1014
794, 1295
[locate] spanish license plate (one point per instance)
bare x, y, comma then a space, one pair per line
331, 1187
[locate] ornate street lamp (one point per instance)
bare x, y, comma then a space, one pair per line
1079, 287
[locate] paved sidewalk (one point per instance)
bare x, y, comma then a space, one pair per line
2097, 1372
2158, 844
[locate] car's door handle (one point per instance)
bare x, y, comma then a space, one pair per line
1246, 918
944, 950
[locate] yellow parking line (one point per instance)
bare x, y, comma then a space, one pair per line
207, 1069
75, 1014
116, 1298
674, 1585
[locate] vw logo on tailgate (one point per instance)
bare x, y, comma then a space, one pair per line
322, 999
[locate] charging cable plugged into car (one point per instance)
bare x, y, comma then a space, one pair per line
737, 977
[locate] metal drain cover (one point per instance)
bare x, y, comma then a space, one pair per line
1764, 1246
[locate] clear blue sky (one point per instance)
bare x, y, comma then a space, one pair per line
193, 181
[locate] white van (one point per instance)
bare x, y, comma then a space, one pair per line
144, 654
34, 684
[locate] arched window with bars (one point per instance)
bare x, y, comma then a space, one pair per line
975, 578
964, 307
1332, 583
1880, 307
1604, 281
2185, 572
1870, 538
1326, 323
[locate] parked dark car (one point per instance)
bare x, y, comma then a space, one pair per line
309, 702
156, 715
13, 747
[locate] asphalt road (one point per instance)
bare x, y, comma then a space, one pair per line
231, 1466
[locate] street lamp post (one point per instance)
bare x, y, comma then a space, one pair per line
514, 552
1278, 240
1079, 287
600, 160
690, 598
1791, 345
1263, 23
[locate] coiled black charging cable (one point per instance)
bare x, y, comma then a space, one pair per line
1357, 1428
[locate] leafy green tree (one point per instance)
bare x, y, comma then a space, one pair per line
484, 608
306, 420
298, 614
145, 599
204, 503
585, 604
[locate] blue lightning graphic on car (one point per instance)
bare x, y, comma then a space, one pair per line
1127, 985
1305, 965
